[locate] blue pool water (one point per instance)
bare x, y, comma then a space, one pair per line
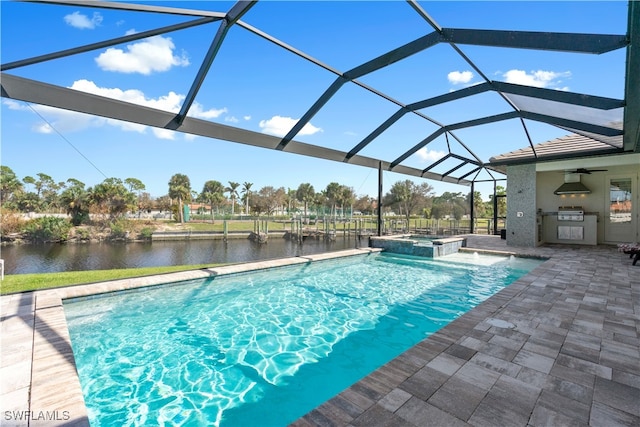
265, 348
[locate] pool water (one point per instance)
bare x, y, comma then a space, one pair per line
265, 348
421, 240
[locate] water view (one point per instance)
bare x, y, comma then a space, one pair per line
48, 258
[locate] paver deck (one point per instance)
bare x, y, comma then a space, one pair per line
558, 347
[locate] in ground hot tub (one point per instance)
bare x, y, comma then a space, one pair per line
425, 246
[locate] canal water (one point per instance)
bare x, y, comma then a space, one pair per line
47, 258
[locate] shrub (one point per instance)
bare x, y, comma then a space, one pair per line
146, 233
48, 229
79, 217
82, 233
120, 228
175, 210
10, 222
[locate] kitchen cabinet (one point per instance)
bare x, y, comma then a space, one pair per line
570, 232
574, 232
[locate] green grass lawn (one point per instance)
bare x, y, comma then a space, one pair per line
232, 226
13, 283
248, 226
365, 222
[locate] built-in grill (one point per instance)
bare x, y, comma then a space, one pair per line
570, 213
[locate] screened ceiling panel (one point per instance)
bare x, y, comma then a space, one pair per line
271, 94
433, 152
399, 137
422, 75
539, 16
606, 117
340, 24
396, 85
344, 121
450, 166
465, 109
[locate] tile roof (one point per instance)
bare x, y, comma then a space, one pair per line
569, 146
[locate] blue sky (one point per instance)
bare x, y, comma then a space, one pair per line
256, 85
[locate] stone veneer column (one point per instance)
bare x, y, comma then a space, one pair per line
521, 198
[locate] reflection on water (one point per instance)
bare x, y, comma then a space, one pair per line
44, 258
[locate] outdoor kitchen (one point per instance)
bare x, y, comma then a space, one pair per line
570, 224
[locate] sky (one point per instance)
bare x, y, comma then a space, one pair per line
255, 85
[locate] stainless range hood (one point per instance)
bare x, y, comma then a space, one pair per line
572, 185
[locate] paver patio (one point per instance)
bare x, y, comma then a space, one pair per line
560, 346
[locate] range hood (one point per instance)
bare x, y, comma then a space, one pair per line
572, 185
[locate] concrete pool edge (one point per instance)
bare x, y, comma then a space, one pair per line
40, 384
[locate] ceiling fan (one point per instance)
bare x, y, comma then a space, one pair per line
586, 171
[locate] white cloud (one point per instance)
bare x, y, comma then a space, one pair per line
12, 105
430, 155
539, 78
459, 77
69, 121
164, 133
197, 112
83, 22
154, 54
169, 102
350, 133
63, 121
280, 126
231, 119
247, 118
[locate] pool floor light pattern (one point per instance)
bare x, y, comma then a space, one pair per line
239, 355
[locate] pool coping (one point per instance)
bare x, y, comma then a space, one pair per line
543, 371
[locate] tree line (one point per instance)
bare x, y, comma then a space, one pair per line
114, 197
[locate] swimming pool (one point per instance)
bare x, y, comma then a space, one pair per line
269, 345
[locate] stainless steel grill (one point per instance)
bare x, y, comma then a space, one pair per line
570, 213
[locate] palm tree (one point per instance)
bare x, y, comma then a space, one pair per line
135, 185
180, 189
10, 186
333, 194
112, 197
291, 200
213, 194
305, 193
75, 199
347, 196
232, 189
246, 190
320, 199
29, 180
